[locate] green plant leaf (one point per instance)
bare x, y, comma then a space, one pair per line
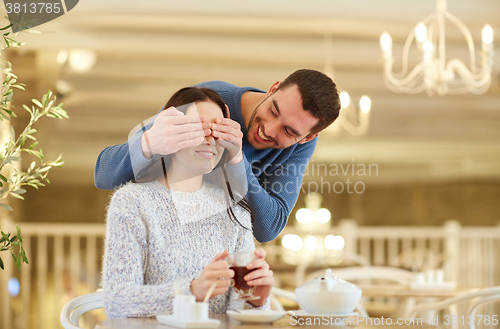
18, 263
17, 196
23, 254
32, 146
9, 159
37, 102
6, 27
6, 206
27, 109
1, 264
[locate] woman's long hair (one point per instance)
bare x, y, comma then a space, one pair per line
181, 100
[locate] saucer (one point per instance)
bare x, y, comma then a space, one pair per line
170, 321
304, 314
256, 316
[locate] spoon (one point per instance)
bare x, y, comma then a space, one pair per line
209, 293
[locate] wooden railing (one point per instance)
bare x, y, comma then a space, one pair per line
65, 261
469, 254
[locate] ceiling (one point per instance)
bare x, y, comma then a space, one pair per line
148, 50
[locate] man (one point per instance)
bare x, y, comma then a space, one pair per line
279, 137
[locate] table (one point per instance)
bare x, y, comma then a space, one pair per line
406, 292
285, 322
411, 296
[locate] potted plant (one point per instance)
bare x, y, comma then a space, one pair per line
12, 146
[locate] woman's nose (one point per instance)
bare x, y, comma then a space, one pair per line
210, 139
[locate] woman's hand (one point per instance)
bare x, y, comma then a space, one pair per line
217, 271
229, 137
261, 277
172, 131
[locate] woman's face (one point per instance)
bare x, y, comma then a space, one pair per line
203, 158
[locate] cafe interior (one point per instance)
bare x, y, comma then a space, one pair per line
400, 196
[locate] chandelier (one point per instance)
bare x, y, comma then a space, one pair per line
351, 120
313, 241
432, 73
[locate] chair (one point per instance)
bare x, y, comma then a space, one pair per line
347, 257
419, 260
356, 273
71, 312
475, 299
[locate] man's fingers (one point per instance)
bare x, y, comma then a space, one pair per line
226, 128
224, 136
176, 130
227, 144
189, 143
228, 122
171, 111
182, 119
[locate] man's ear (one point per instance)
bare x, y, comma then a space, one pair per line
308, 138
273, 88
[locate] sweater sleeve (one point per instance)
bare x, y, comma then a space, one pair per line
117, 164
125, 261
273, 198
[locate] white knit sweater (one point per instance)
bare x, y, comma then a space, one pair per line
159, 240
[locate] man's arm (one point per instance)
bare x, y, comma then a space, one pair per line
114, 166
170, 131
273, 198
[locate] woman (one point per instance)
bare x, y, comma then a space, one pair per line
171, 235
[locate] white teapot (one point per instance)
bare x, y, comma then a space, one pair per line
328, 295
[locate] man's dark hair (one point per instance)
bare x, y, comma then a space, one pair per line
319, 95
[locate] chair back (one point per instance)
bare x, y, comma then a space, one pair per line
71, 312
347, 258
475, 300
356, 273
419, 260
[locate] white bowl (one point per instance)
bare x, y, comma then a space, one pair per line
328, 295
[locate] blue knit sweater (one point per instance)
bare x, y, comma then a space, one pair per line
274, 176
